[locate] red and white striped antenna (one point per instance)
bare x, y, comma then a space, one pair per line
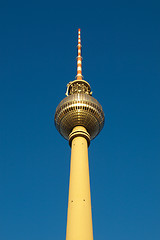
79, 85
79, 57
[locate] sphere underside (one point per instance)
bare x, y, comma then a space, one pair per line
79, 110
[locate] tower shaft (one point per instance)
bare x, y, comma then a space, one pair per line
79, 218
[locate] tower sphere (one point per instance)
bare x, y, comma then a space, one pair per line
79, 109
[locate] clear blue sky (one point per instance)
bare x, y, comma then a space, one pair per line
121, 61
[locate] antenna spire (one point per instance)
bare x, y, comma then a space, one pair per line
79, 57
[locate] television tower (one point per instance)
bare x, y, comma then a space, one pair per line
79, 118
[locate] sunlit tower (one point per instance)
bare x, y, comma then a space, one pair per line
79, 118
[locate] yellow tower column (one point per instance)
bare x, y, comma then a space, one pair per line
79, 218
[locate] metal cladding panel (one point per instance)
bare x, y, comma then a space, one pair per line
79, 110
